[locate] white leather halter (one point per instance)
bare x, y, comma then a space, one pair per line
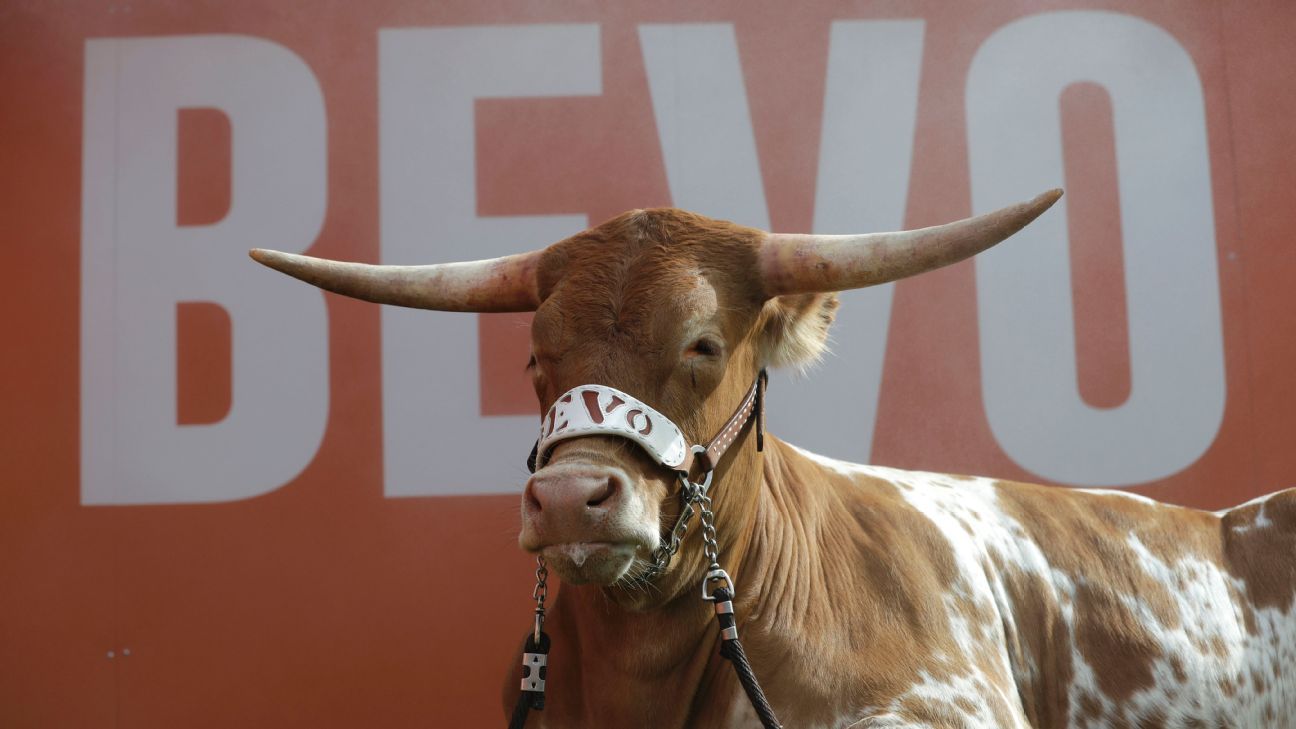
603, 410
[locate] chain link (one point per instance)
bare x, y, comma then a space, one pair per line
693, 497
539, 594
690, 494
710, 547
663, 553
541, 590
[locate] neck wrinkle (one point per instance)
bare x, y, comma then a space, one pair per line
780, 574
786, 621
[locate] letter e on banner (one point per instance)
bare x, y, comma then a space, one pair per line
435, 439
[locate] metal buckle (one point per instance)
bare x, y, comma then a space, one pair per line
716, 575
534, 664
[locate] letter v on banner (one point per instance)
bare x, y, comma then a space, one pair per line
137, 264
708, 144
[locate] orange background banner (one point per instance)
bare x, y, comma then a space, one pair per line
326, 600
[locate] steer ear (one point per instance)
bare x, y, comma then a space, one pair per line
794, 332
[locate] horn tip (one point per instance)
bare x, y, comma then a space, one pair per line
1049, 197
266, 257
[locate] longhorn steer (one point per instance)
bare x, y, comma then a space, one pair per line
867, 596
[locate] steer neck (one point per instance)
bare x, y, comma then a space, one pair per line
614, 667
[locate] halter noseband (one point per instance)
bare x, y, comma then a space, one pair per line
602, 410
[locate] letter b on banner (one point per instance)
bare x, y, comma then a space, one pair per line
137, 265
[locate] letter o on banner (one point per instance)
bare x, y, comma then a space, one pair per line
1024, 296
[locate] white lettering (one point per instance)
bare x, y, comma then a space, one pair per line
435, 440
870, 105
137, 264
1028, 358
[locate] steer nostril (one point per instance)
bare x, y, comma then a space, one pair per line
603, 492
529, 495
563, 493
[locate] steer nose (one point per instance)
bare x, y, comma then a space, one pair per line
571, 489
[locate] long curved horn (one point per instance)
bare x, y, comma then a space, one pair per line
802, 264
493, 285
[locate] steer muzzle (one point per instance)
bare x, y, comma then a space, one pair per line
587, 515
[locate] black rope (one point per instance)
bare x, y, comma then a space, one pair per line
520, 711
534, 673
731, 649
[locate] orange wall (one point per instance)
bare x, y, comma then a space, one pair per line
326, 603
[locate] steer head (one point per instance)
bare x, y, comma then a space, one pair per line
682, 312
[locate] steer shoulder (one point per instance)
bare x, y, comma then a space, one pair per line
990, 603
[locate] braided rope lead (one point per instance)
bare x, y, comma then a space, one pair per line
731, 649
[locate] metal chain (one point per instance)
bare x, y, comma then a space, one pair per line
715, 577
695, 498
539, 594
690, 494
710, 547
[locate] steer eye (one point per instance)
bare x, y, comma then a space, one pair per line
531, 363
703, 347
